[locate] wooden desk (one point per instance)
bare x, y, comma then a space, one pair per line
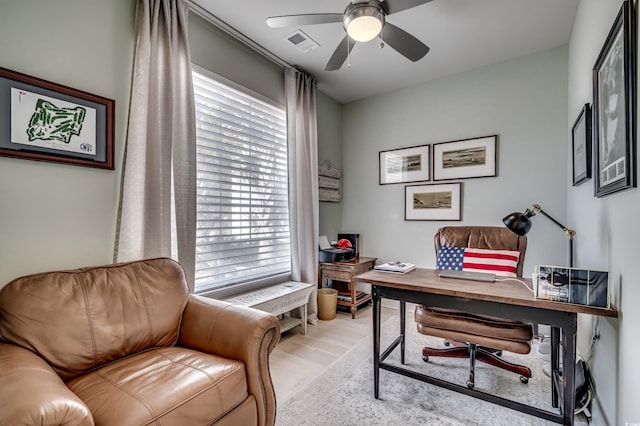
344, 272
509, 299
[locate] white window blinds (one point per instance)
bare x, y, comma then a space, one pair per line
242, 198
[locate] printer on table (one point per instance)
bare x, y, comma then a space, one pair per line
330, 254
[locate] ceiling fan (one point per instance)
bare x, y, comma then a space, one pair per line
363, 21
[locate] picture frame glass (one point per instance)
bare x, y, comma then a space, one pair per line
44, 121
614, 115
433, 202
404, 165
612, 127
581, 146
466, 158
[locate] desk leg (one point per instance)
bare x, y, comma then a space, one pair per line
376, 343
403, 314
568, 370
555, 365
352, 284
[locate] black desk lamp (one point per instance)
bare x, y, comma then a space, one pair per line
521, 224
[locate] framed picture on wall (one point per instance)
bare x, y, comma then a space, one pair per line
404, 165
466, 158
45, 121
433, 202
614, 113
581, 146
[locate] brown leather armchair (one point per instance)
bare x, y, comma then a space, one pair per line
474, 336
127, 344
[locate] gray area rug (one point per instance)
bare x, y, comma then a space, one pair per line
343, 395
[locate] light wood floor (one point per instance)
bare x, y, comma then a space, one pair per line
298, 359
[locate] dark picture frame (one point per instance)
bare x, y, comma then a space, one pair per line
433, 202
466, 158
404, 165
581, 146
614, 112
45, 121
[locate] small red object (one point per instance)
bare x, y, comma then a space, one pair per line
344, 243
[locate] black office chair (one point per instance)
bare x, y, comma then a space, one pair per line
474, 336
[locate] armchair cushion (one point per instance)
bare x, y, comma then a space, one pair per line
499, 262
196, 388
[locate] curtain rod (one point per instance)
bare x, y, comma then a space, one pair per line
208, 16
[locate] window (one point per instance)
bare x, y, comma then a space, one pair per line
242, 195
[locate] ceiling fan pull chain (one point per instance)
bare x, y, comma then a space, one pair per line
348, 54
381, 38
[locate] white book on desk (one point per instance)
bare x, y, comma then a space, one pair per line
398, 267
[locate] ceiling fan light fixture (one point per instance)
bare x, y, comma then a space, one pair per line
364, 23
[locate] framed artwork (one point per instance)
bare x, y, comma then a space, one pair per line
614, 114
404, 165
45, 121
433, 202
466, 158
581, 146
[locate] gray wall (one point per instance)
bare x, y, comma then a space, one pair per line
56, 216
330, 148
216, 51
523, 101
607, 239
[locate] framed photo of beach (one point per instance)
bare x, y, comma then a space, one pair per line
467, 158
433, 202
404, 165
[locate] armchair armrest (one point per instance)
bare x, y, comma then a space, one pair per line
235, 332
31, 393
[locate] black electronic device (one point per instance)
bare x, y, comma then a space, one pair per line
330, 254
335, 254
355, 241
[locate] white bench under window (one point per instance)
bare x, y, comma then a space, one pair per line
279, 299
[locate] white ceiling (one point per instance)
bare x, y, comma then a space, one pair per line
462, 35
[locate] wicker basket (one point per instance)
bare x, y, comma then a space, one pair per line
327, 303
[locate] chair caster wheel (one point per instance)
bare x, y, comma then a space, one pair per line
470, 385
524, 379
425, 358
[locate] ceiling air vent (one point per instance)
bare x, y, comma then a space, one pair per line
301, 41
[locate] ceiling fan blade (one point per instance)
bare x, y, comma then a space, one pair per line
299, 20
340, 54
394, 6
406, 44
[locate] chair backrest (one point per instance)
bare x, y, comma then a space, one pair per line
484, 237
81, 319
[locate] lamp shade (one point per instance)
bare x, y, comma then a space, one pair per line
518, 223
363, 22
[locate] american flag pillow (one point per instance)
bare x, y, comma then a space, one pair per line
499, 262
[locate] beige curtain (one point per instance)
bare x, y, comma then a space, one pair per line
157, 211
303, 181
